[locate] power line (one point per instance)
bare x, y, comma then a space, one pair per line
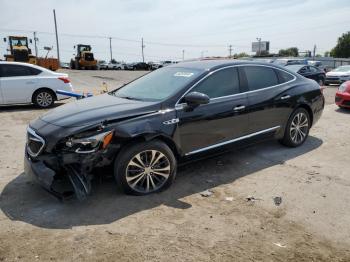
173, 44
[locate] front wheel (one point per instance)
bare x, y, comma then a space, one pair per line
145, 168
297, 129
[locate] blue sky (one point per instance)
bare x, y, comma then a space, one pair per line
168, 27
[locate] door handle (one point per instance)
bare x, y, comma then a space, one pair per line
238, 108
30, 82
285, 97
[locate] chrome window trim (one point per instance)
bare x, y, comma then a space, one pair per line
33, 133
179, 106
233, 140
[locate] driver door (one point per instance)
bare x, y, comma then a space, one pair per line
223, 119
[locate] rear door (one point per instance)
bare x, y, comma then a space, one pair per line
18, 82
269, 97
220, 121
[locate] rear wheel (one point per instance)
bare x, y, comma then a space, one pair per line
44, 98
297, 129
77, 66
145, 168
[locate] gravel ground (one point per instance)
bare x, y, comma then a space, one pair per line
310, 224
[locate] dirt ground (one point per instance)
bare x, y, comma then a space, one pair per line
311, 224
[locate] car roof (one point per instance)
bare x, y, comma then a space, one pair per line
215, 64
24, 64
297, 66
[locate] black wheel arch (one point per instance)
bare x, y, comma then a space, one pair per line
149, 137
308, 109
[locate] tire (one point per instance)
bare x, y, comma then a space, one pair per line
136, 175
77, 66
44, 98
72, 64
293, 137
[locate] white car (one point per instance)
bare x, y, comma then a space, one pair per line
27, 83
338, 76
115, 66
102, 65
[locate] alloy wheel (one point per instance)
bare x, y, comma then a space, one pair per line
299, 128
148, 171
44, 99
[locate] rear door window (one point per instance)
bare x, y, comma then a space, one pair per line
18, 70
259, 77
314, 69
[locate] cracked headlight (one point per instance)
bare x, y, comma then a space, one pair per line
90, 144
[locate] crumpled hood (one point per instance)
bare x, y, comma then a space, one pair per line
331, 73
97, 109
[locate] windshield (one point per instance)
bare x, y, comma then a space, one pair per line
294, 68
342, 69
19, 42
159, 84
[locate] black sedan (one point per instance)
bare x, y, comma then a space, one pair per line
309, 71
144, 129
141, 66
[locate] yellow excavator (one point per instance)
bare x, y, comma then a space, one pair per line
84, 58
19, 50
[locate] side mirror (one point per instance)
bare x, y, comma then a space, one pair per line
195, 99
4, 39
30, 41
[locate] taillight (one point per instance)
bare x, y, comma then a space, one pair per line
64, 79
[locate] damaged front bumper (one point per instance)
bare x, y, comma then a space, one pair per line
64, 182
40, 173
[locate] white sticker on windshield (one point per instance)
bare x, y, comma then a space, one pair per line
183, 74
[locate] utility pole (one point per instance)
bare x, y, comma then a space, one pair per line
57, 46
314, 53
230, 50
36, 48
183, 55
110, 48
142, 47
259, 49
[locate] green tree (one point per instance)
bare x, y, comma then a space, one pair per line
342, 49
292, 51
327, 53
240, 55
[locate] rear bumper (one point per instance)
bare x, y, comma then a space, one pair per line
342, 99
337, 81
